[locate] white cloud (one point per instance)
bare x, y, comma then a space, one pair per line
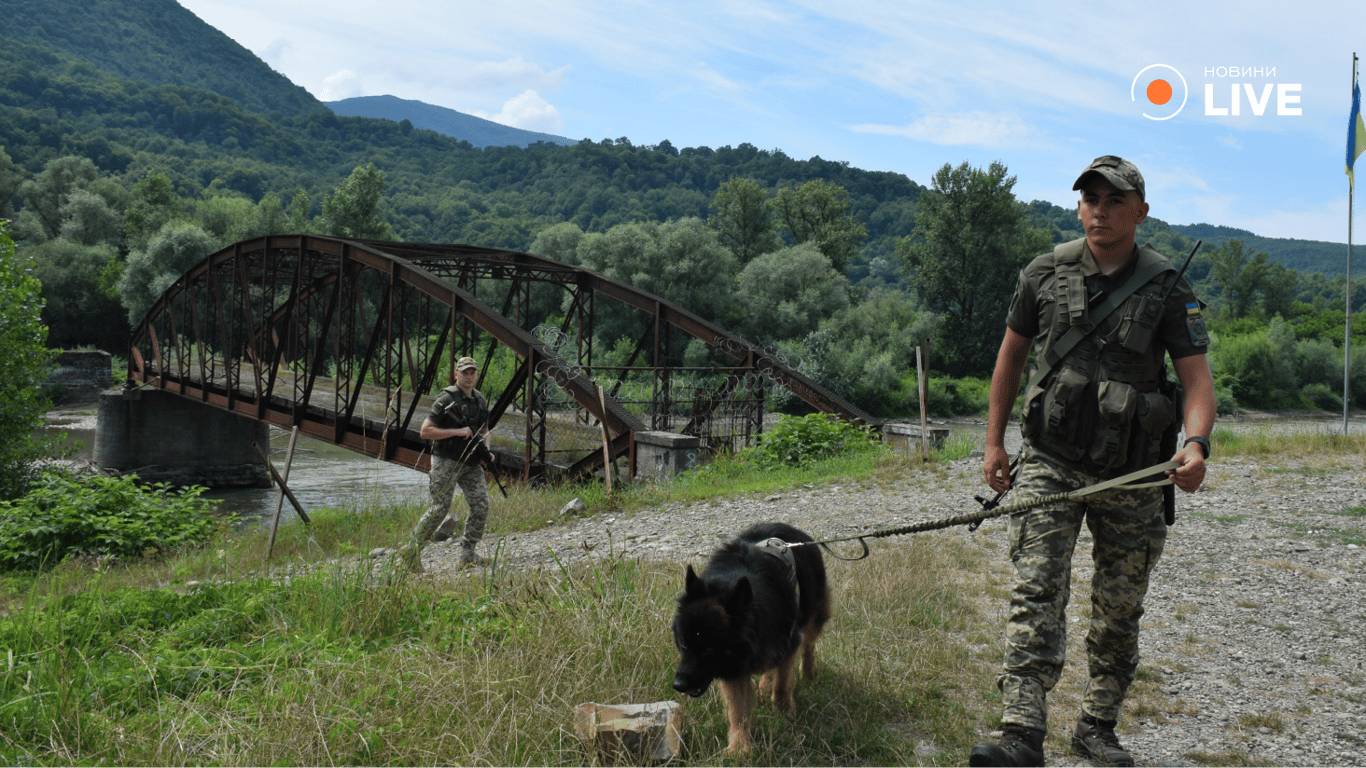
341, 85
1231, 141
529, 112
983, 129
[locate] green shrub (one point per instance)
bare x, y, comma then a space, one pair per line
1259, 367
799, 440
1320, 396
957, 397
65, 514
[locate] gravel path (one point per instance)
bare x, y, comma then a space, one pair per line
1252, 643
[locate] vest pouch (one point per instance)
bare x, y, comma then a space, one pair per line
1062, 414
1116, 403
1138, 322
1156, 412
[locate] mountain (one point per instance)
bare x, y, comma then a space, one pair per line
458, 125
154, 41
1299, 255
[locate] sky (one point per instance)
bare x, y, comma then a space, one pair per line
899, 85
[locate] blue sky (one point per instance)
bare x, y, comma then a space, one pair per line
903, 86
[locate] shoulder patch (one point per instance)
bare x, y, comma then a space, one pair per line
1195, 324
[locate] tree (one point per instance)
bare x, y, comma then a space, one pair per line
788, 293
970, 243
45, 194
743, 219
1241, 274
76, 311
177, 247
10, 179
24, 363
353, 210
155, 203
681, 261
818, 212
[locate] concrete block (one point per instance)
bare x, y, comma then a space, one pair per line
661, 455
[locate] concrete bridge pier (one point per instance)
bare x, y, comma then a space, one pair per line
162, 437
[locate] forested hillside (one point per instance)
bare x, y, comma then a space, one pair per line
153, 41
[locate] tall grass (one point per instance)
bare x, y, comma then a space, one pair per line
1325, 443
349, 666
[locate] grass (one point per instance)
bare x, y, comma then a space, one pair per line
1299, 444
208, 656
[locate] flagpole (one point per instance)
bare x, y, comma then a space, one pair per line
1347, 341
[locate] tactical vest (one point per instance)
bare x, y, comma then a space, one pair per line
1103, 408
452, 410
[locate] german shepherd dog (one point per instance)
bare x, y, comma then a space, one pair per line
752, 609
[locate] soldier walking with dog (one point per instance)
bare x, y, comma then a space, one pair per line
1101, 314
458, 429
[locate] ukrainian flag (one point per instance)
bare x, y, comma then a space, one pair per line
1356, 134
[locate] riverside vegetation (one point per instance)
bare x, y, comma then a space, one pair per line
210, 654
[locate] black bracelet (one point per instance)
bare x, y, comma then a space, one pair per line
1203, 442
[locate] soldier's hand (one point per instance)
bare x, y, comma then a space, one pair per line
996, 467
1191, 473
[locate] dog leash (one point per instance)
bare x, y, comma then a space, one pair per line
1127, 482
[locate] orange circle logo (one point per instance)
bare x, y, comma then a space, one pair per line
1159, 92
1162, 89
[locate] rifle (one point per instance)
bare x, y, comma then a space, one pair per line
485, 458
1173, 390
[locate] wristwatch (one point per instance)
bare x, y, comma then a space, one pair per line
1203, 442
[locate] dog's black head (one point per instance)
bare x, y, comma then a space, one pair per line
706, 633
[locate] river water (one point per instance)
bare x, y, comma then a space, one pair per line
322, 475
325, 476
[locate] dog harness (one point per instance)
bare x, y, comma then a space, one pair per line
783, 551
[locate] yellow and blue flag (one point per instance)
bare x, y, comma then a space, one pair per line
1356, 134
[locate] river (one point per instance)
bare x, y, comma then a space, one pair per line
321, 475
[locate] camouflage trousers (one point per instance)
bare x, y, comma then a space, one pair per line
1128, 534
441, 482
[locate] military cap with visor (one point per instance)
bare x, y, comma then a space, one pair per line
1116, 170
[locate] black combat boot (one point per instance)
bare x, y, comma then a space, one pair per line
1019, 746
1096, 741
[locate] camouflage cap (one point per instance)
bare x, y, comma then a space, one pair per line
465, 363
1118, 171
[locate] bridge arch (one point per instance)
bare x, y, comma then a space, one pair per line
345, 340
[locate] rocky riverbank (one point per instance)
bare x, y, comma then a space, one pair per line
1253, 640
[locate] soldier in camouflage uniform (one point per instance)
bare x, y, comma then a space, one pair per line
1098, 413
458, 420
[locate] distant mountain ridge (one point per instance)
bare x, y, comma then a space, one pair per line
457, 125
1299, 255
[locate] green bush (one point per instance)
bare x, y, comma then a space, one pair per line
1320, 396
799, 440
957, 397
65, 514
1259, 367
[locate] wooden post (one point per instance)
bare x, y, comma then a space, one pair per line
606, 442
920, 374
280, 499
288, 494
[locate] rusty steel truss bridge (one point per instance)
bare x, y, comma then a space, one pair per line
350, 340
